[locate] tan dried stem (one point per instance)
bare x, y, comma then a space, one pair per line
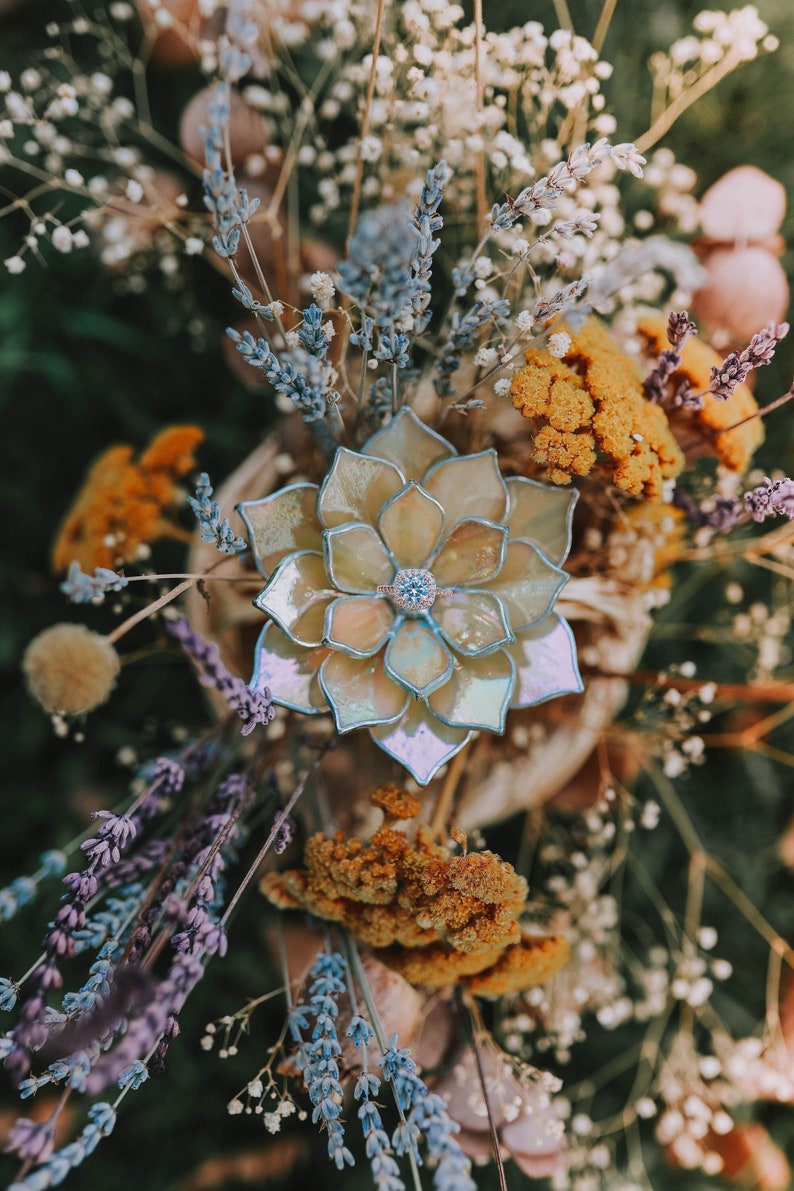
664, 122
440, 820
479, 161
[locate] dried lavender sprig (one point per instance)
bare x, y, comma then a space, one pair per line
463, 333
211, 527
735, 368
309, 400
318, 1058
426, 220
24, 890
773, 498
63, 939
56, 1165
544, 193
427, 1117
81, 588
253, 707
679, 329
385, 1170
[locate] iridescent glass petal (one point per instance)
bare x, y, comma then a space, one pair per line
411, 525
417, 659
528, 584
473, 553
282, 524
545, 660
473, 622
542, 514
469, 486
478, 693
408, 443
297, 596
358, 625
289, 671
356, 559
356, 488
359, 692
420, 742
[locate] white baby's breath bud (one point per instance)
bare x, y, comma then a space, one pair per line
74, 178
194, 246
235, 1107
322, 289
14, 264
502, 387
520, 246
62, 239
721, 969
485, 356
371, 148
6, 129
277, 308
524, 321
255, 1088
80, 239
5, 80
559, 344
133, 191
292, 340
707, 937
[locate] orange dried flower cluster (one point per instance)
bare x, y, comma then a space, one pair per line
590, 408
122, 502
734, 448
437, 919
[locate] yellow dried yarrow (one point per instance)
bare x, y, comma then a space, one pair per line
437, 919
69, 669
589, 409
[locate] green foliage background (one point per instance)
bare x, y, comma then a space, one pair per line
83, 366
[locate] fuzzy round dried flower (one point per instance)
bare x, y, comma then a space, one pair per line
69, 669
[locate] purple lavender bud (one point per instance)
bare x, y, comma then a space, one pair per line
285, 833
32, 1141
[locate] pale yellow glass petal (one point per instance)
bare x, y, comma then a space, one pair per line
528, 584
356, 559
470, 486
473, 621
358, 624
543, 514
356, 488
420, 741
411, 526
288, 671
417, 659
410, 444
297, 595
473, 553
545, 661
478, 693
359, 692
282, 524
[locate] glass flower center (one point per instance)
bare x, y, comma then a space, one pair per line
413, 590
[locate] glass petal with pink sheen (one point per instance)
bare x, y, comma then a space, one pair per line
468, 486
473, 622
478, 693
542, 514
290, 669
545, 661
420, 742
472, 554
417, 659
528, 584
359, 692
